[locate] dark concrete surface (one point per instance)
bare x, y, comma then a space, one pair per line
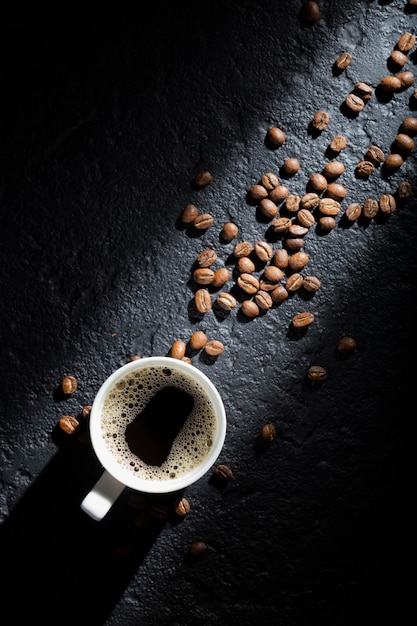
109, 109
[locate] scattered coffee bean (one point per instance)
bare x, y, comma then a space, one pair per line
248, 283
365, 169
266, 285
257, 192
268, 208
294, 282
223, 472
297, 230
229, 232
406, 42
293, 244
245, 265
343, 60
68, 424
159, 511
390, 84
244, 248
309, 201
364, 91
203, 275
311, 283
279, 193
291, 166
268, 433
263, 251
134, 357
329, 206
188, 214
202, 300
306, 218
354, 102
86, 411
197, 549
220, 278
206, 258
226, 301
404, 143
203, 178
281, 224
317, 373
370, 208
353, 211
292, 203
198, 340
136, 501
404, 191
214, 347
333, 169
269, 181
326, 223
346, 344
177, 350
318, 182
263, 300
301, 320
276, 136
387, 204
203, 221
298, 261
338, 143
273, 274
310, 11
182, 507
320, 120
280, 258
336, 191
279, 294
186, 359
69, 384
409, 126
406, 79
398, 58
375, 155
393, 162
250, 309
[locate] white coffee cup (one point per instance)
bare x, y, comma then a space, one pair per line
121, 468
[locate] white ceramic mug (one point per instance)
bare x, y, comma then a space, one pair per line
204, 427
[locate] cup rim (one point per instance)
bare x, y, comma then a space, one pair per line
148, 485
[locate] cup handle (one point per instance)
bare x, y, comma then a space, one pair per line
102, 496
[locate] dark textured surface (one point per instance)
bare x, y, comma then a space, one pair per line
109, 110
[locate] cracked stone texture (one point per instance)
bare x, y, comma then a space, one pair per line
109, 110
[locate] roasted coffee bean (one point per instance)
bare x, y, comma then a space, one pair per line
310, 11
257, 192
293, 282
406, 42
244, 248
177, 350
353, 211
182, 506
268, 433
202, 300
296, 230
398, 58
136, 501
198, 340
318, 182
346, 344
229, 231
280, 258
336, 191
69, 384
266, 285
387, 204
292, 203
226, 301
248, 283
406, 79
311, 283
326, 223
338, 143
223, 472
281, 224
297, 261
268, 208
404, 142
409, 126
279, 193
214, 347
293, 244
364, 169
306, 218
343, 60
364, 91
301, 320
370, 208
197, 549
86, 410
291, 166
329, 206
203, 275
269, 181
320, 120
263, 300
186, 359
245, 265
273, 274
250, 309
203, 221
206, 258
333, 169
263, 251
159, 511
375, 155
309, 201
405, 190
317, 373
189, 213
203, 178
134, 357
68, 424
354, 102
276, 136
390, 84
279, 294
220, 278
393, 162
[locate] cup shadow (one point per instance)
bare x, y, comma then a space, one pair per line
58, 564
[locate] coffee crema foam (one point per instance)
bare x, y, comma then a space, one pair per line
130, 395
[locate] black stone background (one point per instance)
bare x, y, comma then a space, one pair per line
108, 111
